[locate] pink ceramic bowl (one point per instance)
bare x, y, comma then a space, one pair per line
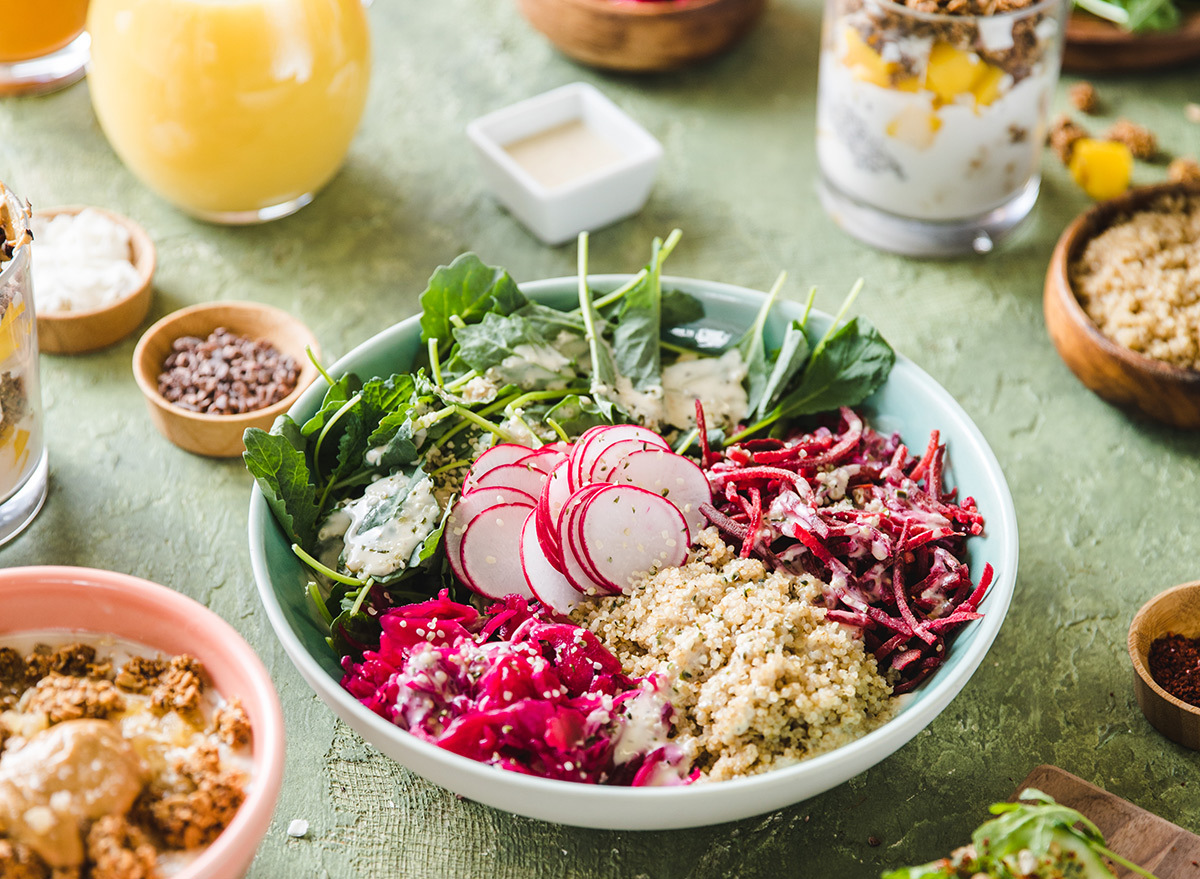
103, 602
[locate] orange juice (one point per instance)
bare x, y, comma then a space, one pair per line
231, 109
33, 28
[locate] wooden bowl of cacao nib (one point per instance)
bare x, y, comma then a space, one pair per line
210, 371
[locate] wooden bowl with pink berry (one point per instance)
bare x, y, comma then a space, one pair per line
642, 36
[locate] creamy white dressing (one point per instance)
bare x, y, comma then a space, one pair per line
387, 547
644, 407
564, 153
532, 365
643, 729
716, 381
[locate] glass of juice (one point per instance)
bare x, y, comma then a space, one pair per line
43, 45
23, 467
931, 118
235, 111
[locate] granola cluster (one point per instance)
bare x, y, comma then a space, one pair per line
889, 31
184, 793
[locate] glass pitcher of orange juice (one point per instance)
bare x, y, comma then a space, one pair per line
236, 111
42, 44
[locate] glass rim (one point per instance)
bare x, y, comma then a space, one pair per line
943, 17
19, 211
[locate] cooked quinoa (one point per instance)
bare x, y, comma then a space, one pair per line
1139, 280
760, 679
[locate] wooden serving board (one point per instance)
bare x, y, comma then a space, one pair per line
1165, 849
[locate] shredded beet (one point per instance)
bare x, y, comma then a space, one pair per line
851, 507
521, 689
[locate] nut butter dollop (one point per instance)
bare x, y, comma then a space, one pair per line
74, 772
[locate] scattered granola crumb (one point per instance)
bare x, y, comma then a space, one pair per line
119, 850
298, 828
1191, 112
1183, 170
64, 697
1063, 135
1082, 96
196, 814
1140, 140
19, 862
140, 674
179, 687
1134, 281
232, 725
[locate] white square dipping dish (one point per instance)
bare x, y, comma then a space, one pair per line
591, 197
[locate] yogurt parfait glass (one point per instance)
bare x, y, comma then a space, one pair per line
931, 118
23, 467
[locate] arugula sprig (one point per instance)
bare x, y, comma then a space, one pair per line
1055, 840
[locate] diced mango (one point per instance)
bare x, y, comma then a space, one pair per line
1102, 167
907, 84
987, 87
865, 63
952, 72
916, 126
20, 442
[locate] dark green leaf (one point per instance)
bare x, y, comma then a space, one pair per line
679, 308
637, 328
753, 349
281, 471
493, 344
469, 289
789, 360
854, 361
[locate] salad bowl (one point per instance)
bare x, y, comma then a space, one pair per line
909, 402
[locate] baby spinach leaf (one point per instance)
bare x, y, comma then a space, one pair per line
753, 349
789, 360
516, 349
336, 397
468, 289
679, 308
278, 464
637, 329
604, 370
852, 363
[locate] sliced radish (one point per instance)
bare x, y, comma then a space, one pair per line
467, 508
576, 472
547, 530
616, 452
544, 459
676, 478
608, 436
628, 532
491, 551
523, 477
557, 491
496, 456
574, 566
548, 584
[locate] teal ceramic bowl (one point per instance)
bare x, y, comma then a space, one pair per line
910, 402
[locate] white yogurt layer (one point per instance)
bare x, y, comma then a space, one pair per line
899, 151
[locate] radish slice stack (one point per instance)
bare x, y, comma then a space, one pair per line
568, 521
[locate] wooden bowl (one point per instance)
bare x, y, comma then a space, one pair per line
1094, 45
219, 436
76, 332
1132, 381
642, 36
1176, 611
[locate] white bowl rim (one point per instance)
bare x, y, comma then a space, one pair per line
665, 804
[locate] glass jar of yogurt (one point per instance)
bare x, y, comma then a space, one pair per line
931, 117
23, 467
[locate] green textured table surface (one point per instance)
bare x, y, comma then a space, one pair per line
1109, 508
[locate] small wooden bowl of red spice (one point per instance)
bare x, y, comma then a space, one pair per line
1164, 644
213, 370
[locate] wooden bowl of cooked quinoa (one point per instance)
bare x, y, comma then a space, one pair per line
1122, 302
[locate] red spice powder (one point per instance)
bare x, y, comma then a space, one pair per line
1175, 666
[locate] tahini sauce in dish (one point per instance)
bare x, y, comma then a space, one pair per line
564, 153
